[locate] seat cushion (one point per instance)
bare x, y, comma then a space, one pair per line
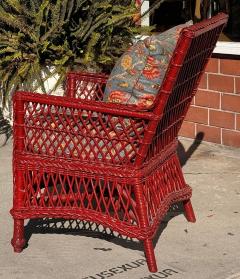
138, 75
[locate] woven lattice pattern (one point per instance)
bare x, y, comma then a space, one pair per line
76, 157
162, 186
89, 90
183, 90
88, 87
66, 132
55, 190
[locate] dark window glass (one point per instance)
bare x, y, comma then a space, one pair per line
174, 12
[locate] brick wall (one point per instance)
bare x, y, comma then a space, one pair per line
215, 110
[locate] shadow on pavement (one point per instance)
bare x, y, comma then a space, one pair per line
93, 230
185, 155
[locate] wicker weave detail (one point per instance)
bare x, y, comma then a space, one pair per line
76, 157
115, 225
165, 180
56, 131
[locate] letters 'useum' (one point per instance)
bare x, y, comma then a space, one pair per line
77, 157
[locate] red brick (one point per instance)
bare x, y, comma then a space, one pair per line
231, 102
212, 134
238, 122
212, 65
222, 119
197, 114
187, 130
207, 99
231, 138
221, 83
237, 85
203, 82
230, 67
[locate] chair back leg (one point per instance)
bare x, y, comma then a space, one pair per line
188, 211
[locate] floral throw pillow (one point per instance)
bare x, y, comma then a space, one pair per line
137, 76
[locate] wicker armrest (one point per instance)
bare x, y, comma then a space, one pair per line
87, 86
80, 129
85, 104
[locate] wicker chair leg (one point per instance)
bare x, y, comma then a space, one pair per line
188, 210
150, 256
18, 240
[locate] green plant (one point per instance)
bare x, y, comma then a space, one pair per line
39, 38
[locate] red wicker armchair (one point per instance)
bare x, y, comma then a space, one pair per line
71, 160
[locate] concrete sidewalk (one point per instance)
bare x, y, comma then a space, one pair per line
208, 249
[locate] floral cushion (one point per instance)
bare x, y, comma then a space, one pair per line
137, 76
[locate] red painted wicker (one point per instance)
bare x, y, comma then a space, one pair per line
77, 157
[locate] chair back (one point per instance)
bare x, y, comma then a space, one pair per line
193, 50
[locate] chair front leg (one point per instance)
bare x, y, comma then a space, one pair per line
144, 223
150, 256
18, 241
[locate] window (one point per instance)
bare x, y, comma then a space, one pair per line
174, 12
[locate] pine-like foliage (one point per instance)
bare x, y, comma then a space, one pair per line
66, 34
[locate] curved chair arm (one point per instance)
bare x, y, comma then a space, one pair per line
64, 127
